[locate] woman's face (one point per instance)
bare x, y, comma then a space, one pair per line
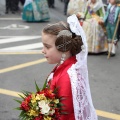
49, 50
93, 1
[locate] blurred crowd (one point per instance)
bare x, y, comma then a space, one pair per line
99, 19
13, 5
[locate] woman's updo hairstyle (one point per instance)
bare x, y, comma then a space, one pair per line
65, 39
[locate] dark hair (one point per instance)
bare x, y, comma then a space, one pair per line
74, 41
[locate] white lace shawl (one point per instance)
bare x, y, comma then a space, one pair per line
78, 73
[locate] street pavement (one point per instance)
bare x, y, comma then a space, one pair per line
21, 64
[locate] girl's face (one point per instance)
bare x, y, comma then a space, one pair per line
112, 2
49, 50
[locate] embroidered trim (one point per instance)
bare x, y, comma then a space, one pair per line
63, 45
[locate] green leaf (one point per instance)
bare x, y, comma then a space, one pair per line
18, 108
60, 105
18, 101
21, 114
26, 93
55, 90
23, 97
45, 84
37, 88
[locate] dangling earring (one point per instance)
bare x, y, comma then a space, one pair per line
63, 58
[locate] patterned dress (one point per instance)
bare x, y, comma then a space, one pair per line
95, 34
35, 10
75, 6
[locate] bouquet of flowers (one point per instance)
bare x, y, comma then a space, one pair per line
42, 105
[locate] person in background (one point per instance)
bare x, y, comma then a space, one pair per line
95, 33
35, 10
16, 5
75, 6
65, 6
51, 3
9, 6
22, 1
110, 20
108, 1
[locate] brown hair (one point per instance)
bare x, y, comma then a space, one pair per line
74, 41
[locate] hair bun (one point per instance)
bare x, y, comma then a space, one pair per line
63, 43
76, 45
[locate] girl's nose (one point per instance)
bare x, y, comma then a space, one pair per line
43, 51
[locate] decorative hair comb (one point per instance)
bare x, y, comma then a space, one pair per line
65, 33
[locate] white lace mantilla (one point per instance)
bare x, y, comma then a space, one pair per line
78, 73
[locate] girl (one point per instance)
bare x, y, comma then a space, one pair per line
65, 45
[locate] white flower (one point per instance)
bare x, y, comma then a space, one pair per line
41, 103
45, 109
44, 106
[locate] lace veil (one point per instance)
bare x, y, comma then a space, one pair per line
78, 73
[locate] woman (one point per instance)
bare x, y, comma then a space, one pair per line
35, 10
95, 33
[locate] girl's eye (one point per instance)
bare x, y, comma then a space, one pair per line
47, 46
